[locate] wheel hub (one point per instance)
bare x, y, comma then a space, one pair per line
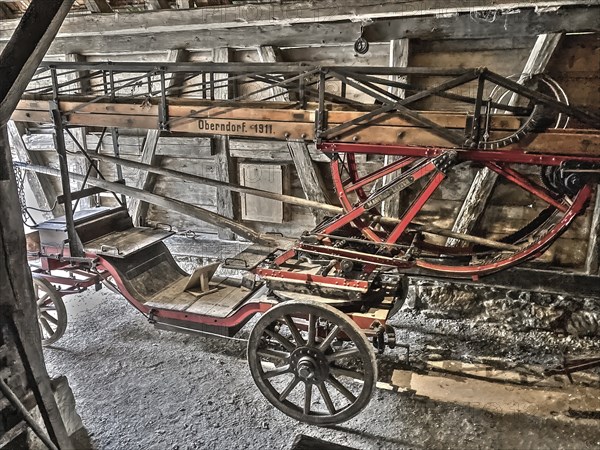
309, 364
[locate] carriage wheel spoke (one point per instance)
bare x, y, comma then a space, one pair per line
294, 330
275, 354
307, 397
281, 339
341, 388
343, 354
327, 398
329, 339
276, 372
47, 316
288, 389
41, 301
46, 326
312, 329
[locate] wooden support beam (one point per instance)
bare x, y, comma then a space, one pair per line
98, 6
483, 185
226, 168
398, 57
308, 173
157, 4
27, 46
82, 86
5, 12
168, 203
145, 180
18, 301
592, 263
295, 25
266, 54
43, 190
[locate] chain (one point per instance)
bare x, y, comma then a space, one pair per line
20, 179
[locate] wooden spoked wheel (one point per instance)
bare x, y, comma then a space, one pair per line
312, 362
52, 315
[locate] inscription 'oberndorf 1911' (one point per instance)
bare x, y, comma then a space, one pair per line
235, 127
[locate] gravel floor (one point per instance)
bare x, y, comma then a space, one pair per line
141, 388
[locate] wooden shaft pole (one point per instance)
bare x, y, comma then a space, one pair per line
164, 202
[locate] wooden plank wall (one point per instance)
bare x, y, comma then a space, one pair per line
574, 66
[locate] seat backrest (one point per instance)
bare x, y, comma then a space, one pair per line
113, 220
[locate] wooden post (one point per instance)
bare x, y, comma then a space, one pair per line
398, 58
485, 180
17, 302
43, 190
225, 166
146, 180
308, 174
592, 261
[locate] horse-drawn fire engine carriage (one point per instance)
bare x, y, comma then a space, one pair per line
326, 297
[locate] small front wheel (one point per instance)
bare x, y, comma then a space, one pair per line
52, 314
312, 362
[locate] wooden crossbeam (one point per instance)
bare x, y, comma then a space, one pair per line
210, 27
243, 120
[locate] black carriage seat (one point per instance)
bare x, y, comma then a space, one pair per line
111, 233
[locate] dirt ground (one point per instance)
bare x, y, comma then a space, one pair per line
140, 388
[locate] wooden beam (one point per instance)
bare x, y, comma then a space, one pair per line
283, 14
98, 6
226, 169
293, 124
398, 57
483, 185
167, 203
157, 4
266, 54
42, 188
220, 184
145, 180
592, 264
82, 86
5, 12
308, 173
207, 28
18, 300
26, 48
